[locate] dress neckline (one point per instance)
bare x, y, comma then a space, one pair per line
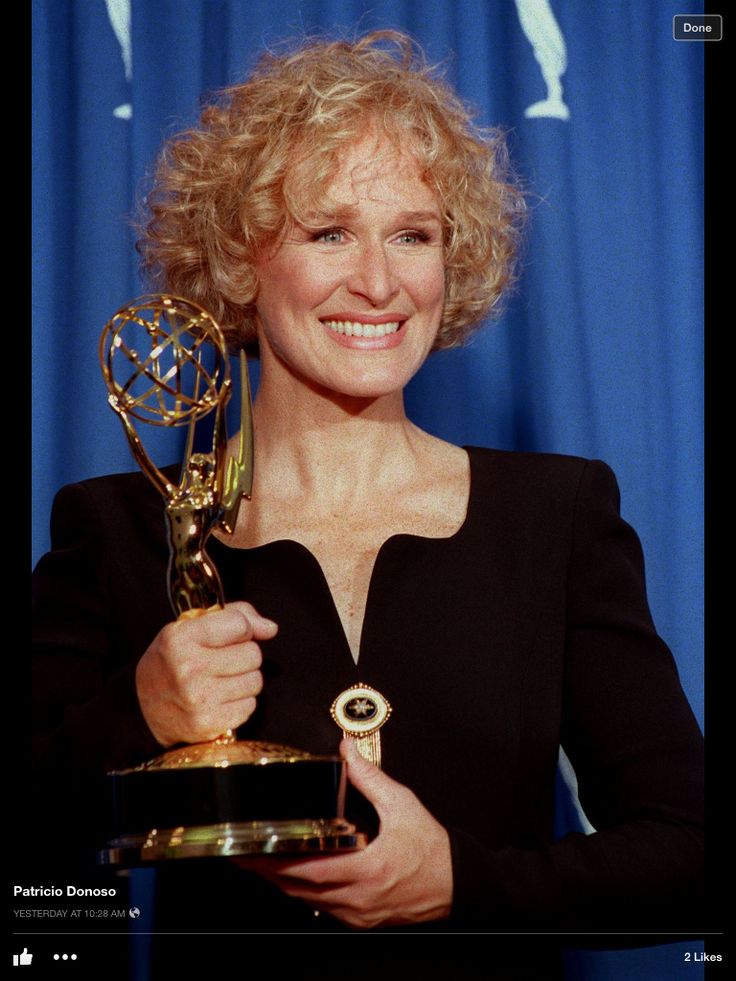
253, 549
276, 545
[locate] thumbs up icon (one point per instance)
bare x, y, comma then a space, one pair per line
24, 958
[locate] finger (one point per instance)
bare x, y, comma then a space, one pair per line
234, 624
322, 897
311, 894
262, 627
204, 723
241, 687
269, 868
230, 662
327, 872
231, 716
384, 793
203, 694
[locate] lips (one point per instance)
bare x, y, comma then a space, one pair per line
355, 328
366, 333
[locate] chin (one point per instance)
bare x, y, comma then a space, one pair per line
366, 393
372, 387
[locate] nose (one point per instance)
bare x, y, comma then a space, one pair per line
373, 276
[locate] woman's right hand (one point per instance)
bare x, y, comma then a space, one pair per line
200, 675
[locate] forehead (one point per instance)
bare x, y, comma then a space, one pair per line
374, 168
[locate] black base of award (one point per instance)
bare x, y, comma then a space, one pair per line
230, 809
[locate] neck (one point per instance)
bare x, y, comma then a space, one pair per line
338, 449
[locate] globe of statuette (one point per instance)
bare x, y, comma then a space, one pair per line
165, 360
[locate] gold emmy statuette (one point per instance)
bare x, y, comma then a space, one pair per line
165, 363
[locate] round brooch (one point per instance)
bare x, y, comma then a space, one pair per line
360, 711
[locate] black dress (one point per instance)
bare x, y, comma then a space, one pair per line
526, 629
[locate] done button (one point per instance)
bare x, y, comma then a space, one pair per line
697, 27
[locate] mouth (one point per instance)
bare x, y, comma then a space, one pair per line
356, 328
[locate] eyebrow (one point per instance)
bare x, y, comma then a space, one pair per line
411, 216
346, 213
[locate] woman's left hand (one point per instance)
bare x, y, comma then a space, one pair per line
403, 876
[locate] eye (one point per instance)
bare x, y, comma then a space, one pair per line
332, 236
412, 238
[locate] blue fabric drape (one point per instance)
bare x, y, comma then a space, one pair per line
600, 350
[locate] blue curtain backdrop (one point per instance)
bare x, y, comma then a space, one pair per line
600, 350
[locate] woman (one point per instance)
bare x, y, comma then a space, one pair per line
340, 213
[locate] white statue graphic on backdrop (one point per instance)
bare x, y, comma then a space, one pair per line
119, 13
543, 32
536, 17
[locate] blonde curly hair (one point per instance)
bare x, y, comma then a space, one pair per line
265, 151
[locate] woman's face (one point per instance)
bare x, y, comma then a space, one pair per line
352, 303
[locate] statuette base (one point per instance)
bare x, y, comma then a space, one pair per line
308, 837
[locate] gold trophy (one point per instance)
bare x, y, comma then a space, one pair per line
165, 363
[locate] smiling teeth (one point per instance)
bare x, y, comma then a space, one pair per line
353, 329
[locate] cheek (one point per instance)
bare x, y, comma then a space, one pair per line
428, 286
303, 285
